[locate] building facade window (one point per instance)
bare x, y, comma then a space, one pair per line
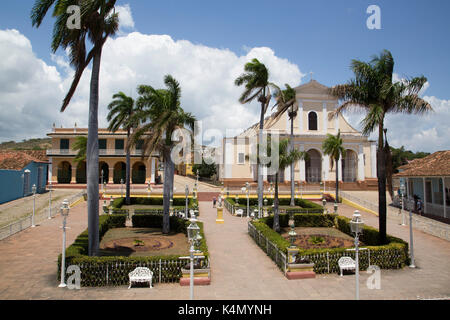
64, 144
312, 121
102, 144
241, 158
119, 144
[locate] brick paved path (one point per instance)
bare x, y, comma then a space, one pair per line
240, 270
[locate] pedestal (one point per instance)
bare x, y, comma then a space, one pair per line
219, 218
300, 271
202, 277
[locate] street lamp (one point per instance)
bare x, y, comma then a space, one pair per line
335, 207
171, 207
64, 213
324, 203
402, 191
33, 189
411, 242
193, 231
292, 233
247, 191
265, 207
356, 226
50, 200
121, 187
186, 192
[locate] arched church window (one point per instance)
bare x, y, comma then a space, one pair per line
312, 121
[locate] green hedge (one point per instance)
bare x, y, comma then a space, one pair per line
154, 201
301, 205
113, 270
393, 255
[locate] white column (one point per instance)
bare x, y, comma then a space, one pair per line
424, 196
50, 169
361, 163
302, 166
340, 169
336, 121
325, 117
443, 196
326, 166
228, 158
300, 115
373, 159
153, 168
287, 174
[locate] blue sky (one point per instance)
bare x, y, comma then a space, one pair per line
316, 36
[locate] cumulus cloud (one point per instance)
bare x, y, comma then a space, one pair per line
126, 20
206, 76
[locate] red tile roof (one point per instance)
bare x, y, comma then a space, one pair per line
18, 159
434, 165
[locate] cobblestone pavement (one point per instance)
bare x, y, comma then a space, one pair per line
240, 269
20, 208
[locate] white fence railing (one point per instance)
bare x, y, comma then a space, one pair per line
40, 216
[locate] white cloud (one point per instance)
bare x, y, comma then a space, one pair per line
206, 76
125, 18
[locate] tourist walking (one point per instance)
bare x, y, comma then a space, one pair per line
214, 202
419, 206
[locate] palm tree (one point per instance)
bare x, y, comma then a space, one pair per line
161, 115
333, 147
286, 158
121, 112
286, 102
373, 92
257, 86
98, 22
80, 146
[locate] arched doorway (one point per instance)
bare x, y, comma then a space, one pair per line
349, 166
81, 172
64, 172
138, 173
103, 168
119, 172
313, 166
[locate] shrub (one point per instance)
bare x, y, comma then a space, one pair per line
304, 220
154, 201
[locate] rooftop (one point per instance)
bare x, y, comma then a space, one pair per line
436, 164
18, 159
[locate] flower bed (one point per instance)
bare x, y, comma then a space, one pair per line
393, 255
113, 270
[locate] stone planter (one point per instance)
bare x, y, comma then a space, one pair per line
202, 277
300, 271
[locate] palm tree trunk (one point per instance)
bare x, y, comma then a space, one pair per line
260, 166
276, 214
168, 187
337, 182
291, 147
128, 169
381, 173
92, 159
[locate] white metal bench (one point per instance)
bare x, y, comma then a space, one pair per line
346, 263
141, 274
239, 212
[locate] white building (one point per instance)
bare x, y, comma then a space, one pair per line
311, 125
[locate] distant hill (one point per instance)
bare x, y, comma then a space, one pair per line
31, 144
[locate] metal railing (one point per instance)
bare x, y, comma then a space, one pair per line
366, 204
101, 152
271, 249
40, 216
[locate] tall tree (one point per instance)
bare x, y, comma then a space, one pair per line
121, 114
333, 146
286, 158
286, 102
160, 116
257, 86
98, 22
373, 91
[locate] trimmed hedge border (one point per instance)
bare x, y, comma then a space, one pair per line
113, 270
179, 204
306, 206
393, 255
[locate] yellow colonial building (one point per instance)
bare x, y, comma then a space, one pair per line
112, 158
357, 170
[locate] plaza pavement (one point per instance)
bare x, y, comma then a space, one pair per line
240, 269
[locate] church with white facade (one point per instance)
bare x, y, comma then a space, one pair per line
357, 170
